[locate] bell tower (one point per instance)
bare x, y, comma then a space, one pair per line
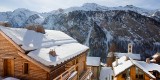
130, 46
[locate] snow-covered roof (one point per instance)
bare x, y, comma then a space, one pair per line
93, 61
63, 52
120, 60
142, 68
131, 55
40, 44
31, 40
105, 72
122, 67
150, 66
124, 64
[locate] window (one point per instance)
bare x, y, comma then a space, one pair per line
129, 46
25, 68
124, 75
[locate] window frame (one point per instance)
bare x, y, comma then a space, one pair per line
25, 68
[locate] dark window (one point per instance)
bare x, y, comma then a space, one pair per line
26, 68
124, 75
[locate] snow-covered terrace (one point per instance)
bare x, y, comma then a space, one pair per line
40, 44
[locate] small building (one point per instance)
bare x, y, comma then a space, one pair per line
134, 56
113, 55
106, 73
30, 55
94, 64
127, 68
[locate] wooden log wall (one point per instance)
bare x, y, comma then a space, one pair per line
8, 51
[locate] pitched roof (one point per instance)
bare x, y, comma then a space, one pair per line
150, 66
30, 40
40, 45
131, 55
63, 52
93, 61
124, 64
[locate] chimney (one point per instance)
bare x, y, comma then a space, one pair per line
5, 24
52, 52
36, 27
147, 60
116, 61
127, 58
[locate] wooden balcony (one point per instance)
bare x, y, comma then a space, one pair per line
87, 75
71, 74
65, 75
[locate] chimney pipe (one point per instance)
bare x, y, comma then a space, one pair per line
116, 61
52, 52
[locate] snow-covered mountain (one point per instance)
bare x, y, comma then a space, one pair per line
101, 28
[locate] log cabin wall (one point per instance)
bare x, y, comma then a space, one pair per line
82, 64
9, 52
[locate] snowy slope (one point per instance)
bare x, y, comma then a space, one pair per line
96, 7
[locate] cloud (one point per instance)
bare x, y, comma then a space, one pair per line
49, 5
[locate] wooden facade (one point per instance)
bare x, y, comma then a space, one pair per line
95, 71
133, 73
15, 63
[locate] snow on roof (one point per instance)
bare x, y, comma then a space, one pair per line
142, 68
105, 72
31, 40
63, 52
65, 46
122, 67
93, 61
120, 60
124, 64
131, 55
150, 66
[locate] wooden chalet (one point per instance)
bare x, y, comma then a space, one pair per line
94, 64
113, 55
126, 68
30, 55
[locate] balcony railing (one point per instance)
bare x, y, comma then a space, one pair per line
65, 75
87, 75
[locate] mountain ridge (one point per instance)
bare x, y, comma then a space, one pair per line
100, 28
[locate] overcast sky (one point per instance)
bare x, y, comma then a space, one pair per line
49, 5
